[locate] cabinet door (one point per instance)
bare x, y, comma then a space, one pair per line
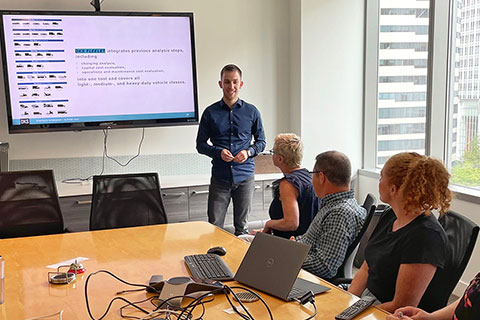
267, 194
175, 201
257, 212
198, 200
76, 212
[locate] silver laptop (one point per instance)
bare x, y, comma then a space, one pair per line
272, 264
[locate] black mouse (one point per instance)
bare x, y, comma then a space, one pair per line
217, 250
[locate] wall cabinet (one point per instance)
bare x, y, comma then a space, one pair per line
181, 204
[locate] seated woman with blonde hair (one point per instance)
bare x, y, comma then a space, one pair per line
294, 203
408, 244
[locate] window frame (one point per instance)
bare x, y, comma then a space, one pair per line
438, 95
440, 78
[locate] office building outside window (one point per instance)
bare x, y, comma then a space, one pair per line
402, 77
463, 149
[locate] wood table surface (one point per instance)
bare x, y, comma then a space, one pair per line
134, 254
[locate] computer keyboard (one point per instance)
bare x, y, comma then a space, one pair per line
295, 293
208, 266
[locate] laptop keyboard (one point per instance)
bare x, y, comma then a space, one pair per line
208, 267
295, 293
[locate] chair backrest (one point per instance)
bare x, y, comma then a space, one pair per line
462, 235
29, 204
370, 201
345, 270
360, 255
126, 200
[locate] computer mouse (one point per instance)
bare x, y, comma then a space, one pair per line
217, 250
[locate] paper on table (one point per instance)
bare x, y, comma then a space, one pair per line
67, 262
231, 311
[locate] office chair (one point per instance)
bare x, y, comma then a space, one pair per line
126, 200
462, 234
360, 256
29, 204
346, 269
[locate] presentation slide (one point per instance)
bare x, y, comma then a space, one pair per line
66, 69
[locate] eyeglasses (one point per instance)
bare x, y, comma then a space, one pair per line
315, 171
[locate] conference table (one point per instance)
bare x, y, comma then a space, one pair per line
134, 254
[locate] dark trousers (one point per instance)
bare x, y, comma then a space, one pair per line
219, 195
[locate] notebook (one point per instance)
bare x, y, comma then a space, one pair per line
272, 264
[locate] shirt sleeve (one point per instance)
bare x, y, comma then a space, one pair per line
330, 246
258, 135
431, 251
204, 133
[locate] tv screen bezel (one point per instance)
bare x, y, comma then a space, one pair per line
81, 126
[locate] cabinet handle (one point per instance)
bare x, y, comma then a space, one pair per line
173, 194
200, 192
268, 186
257, 187
80, 202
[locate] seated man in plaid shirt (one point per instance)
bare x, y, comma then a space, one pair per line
339, 219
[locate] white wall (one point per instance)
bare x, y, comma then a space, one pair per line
295, 66
468, 209
332, 78
251, 33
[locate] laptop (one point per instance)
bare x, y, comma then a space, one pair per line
272, 264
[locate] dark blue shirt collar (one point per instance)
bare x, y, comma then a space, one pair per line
239, 103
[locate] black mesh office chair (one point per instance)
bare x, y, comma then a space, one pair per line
360, 256
126, 200
346, 269
29, 204
462, 235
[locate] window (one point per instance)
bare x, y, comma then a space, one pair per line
403, 128
463, 145
406, 112
414, 79
397, 28
417, 63
414, 102
417, 46
401, 145
402, 90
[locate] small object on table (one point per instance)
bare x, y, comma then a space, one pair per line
356, 308
76, 267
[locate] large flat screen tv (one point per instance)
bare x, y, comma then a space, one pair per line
96, 70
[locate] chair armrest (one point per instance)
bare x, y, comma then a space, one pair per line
339, 281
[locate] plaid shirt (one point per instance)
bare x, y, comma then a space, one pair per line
333, 229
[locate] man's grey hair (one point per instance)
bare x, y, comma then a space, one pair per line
335, 166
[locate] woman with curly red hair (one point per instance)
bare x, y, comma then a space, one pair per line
408, 244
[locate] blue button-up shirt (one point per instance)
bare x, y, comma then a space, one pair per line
231, 129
